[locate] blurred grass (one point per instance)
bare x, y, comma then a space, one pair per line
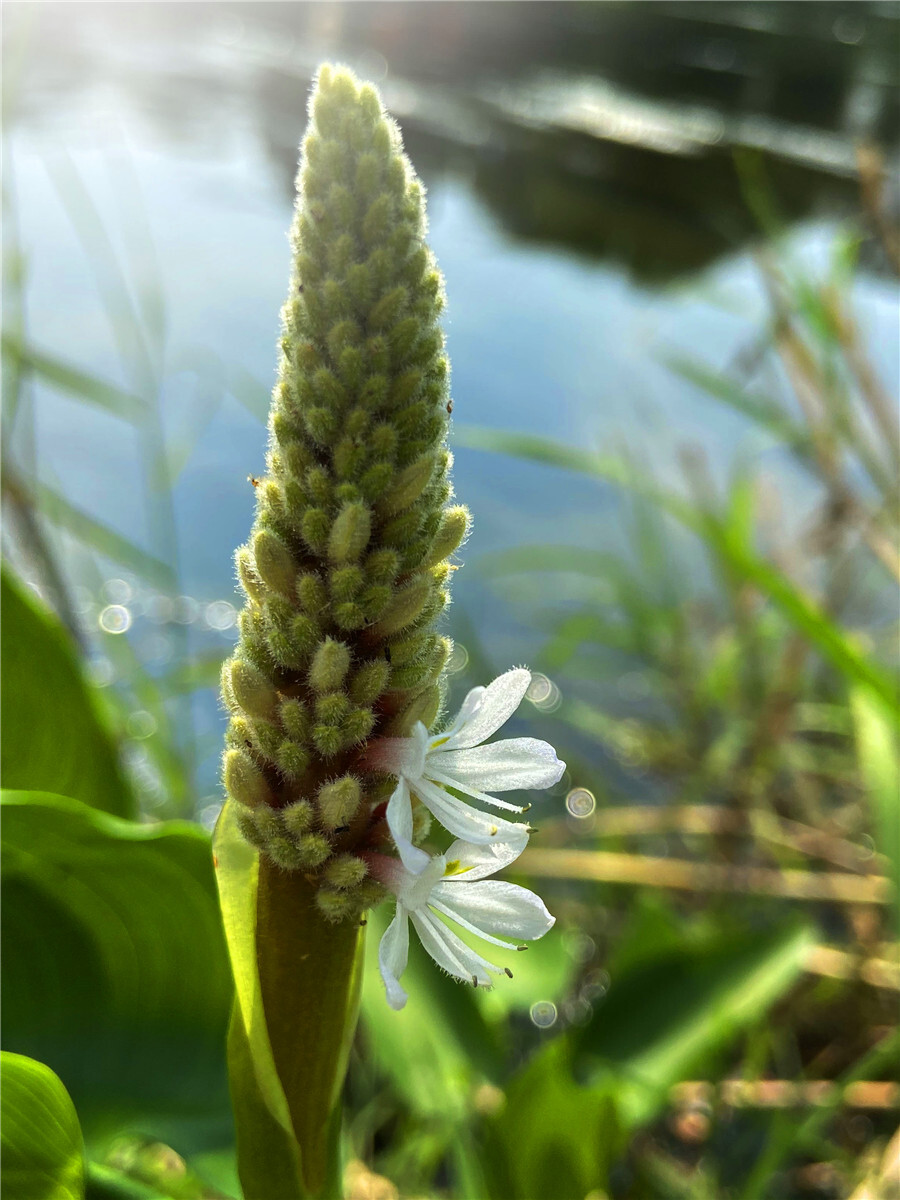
731, 936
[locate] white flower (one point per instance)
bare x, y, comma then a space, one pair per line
454, 885
426, 766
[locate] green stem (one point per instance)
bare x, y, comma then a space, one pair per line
310, 986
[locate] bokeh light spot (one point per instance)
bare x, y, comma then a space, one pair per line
115, 618
580, 802
543, 1014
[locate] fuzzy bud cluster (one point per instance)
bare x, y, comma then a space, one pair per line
346, 572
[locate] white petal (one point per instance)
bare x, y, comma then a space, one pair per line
476, 862
467, 822
442, 905
500, 908
400, 822
453, 782
501, 766
468, 707
393, 952
400, 756
416, 889
450, 952
480, 717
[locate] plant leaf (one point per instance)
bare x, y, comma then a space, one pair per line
672, 1015
66, 378
574, 1104
879, 765
55, 738
41, 1149
116, 973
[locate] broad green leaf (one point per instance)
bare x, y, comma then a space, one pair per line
674, 1014
116, 973
569, 1110
553, 1138
297, 984
41, 1150
54, 736
879, 765
261, 1108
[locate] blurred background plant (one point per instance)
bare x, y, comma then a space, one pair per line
668, 231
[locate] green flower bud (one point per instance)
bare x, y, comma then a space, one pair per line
243, 779
404, 607
251, 690
344, 871
295, 719
311, 593
369, 681
421, 824
310, 850
292, 759
350, 533
329, 666
336, 906
407, 486
274, 563
339, 801
268, 822
247, 575
298, 817
450, 536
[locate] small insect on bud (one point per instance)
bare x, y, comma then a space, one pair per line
339, 801
243, 780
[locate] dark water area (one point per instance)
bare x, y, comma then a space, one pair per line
588, 169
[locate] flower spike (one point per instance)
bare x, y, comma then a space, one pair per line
345, 572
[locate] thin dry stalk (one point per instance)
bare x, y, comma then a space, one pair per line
602, 866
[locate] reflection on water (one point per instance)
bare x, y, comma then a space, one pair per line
609, 128
584, 206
